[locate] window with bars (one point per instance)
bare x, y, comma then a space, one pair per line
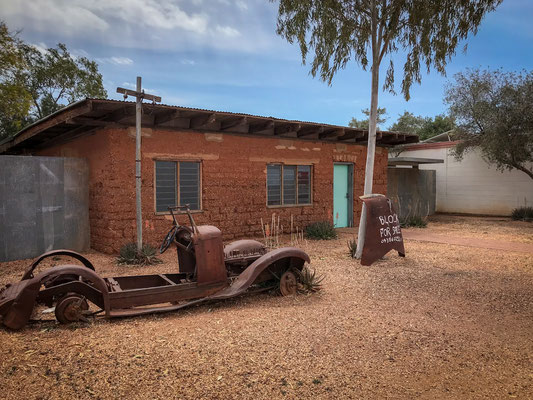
288, 185
177, 183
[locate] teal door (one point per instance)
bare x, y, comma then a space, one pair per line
342, 196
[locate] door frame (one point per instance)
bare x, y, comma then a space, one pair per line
350, 189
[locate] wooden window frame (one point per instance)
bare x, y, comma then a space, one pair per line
310, 204
200, 184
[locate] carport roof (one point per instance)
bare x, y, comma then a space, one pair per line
414, 161
86, 116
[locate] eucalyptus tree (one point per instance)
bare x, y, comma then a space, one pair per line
371, 31
424, 127
55, 77
494, 116
364, 123
15, 100
35, 82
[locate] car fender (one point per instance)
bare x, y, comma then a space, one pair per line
62, 252
27, 291
249, 275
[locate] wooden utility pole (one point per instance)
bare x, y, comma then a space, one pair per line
139, 95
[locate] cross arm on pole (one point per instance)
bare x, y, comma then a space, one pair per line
133, 93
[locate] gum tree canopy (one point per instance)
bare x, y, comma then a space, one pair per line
367, 31
36, 82
494, 113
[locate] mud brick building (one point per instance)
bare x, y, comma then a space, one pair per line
233, 169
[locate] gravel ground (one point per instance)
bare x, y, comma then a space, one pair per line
444, 322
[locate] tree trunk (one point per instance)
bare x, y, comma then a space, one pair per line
371, 146
524, 170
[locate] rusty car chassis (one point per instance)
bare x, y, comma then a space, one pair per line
207, 271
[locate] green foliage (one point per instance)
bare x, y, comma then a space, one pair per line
129, 255
435, 126
407, 122
364, 123
493, 114
352, 247
34, 84
424, 127
413, 221
15, 100
322, 230
308, 280
522, 214
366, 31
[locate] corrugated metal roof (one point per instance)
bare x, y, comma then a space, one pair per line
88, 115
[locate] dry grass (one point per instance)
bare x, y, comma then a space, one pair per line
445, 322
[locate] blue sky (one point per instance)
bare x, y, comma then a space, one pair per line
225, 55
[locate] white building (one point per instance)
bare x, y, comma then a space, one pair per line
472, 186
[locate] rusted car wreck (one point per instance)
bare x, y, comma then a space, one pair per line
207, 271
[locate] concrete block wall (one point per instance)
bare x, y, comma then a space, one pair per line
233, 174
472, 186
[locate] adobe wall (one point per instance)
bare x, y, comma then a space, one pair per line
233, 180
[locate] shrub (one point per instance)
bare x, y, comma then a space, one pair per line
352, 247
321, 230
522, 214
129, 255
308, 280
414, 221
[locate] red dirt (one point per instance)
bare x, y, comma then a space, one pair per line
482, 243
445, 322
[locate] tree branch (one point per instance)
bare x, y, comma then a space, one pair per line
523, 169
59, 95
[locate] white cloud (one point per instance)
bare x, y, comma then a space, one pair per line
149, 24
115, 60
188, 62
77, 53
228, 31
242, 5
45, 15
121, 60
133, 86
77, 16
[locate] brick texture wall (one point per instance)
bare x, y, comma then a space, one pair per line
233, 170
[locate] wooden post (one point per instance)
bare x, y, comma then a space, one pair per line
139, 95
138, 182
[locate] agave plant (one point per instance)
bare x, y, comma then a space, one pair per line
352, 247
308, 280
130, 256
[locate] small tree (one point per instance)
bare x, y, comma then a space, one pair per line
408, 122
426, 127
494, 114
34, 84
367, 31
364, 123
55, 77
15, 100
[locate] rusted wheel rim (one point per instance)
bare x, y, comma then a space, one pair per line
288, 284
71, 308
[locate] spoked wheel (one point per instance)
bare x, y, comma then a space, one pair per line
288, 284
72, 308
